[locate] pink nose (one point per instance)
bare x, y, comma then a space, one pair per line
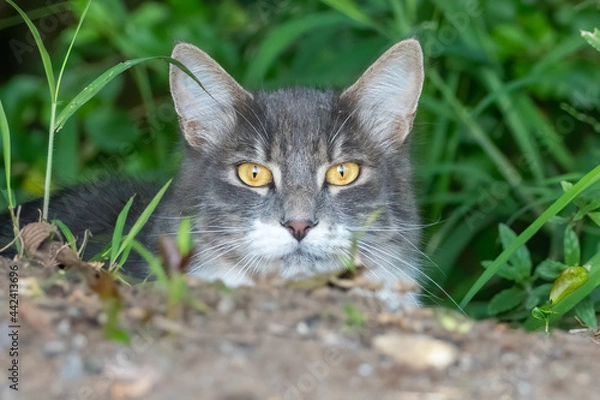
299, 229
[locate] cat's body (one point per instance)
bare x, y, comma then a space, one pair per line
292, 181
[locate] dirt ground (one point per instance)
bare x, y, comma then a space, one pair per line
270, 342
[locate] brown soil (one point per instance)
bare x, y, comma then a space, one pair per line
271, 342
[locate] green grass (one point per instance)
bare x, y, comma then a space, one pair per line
509, 110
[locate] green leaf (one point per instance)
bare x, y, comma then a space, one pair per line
566, 185
67, 233
6, 152
592, 38
90, 90
64, 64
118, 231
537, 313
595, 216
506, 300
571, 246
568, 281
550, 269
537, 295
154, 263
518, 266
570, 301
354, 319
351, 10
589, 179
586, 313
141, 221
184, 238
40, 45
585, 208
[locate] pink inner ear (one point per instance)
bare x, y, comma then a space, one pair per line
192, 131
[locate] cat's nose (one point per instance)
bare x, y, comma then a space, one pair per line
299, 229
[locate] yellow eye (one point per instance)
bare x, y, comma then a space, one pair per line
254, 174
342, 174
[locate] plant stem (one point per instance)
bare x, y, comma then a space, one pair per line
47, 180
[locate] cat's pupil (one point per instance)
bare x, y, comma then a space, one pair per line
341, 170
254, 172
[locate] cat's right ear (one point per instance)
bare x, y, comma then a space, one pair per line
206, 112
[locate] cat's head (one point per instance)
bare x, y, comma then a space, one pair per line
298, 180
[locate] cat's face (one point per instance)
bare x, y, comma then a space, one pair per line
298, 180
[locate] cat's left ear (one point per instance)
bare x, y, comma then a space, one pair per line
386, 95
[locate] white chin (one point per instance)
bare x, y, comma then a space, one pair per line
298, 268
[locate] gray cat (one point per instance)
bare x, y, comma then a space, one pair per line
289, 182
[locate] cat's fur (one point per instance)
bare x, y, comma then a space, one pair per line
297, 133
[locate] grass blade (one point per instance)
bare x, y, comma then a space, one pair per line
64, 64
69, 237
592, 38
503, 164
40, 44
521, 134
589, 179
118, 231
141, 221
154, 263
6, 152
351, 10
89, 91
547, 135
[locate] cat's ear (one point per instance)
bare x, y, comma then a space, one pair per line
205, 112
386, 95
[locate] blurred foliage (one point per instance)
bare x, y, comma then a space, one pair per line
510, 106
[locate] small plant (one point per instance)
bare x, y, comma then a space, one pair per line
58, 120
118, 250
573, 284
169, 269
354, 318
10, 196
552, 287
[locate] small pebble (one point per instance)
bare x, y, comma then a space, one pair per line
72, 367
79, 341
302, 328
417, 351
226, 305
365, 369
93, 365
64, 327
313, 321
277, 329
73, 312
269, 306
53, 348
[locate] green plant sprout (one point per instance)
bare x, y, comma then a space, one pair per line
354, 318
172, 278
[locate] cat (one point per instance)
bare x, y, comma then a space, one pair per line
292, 181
